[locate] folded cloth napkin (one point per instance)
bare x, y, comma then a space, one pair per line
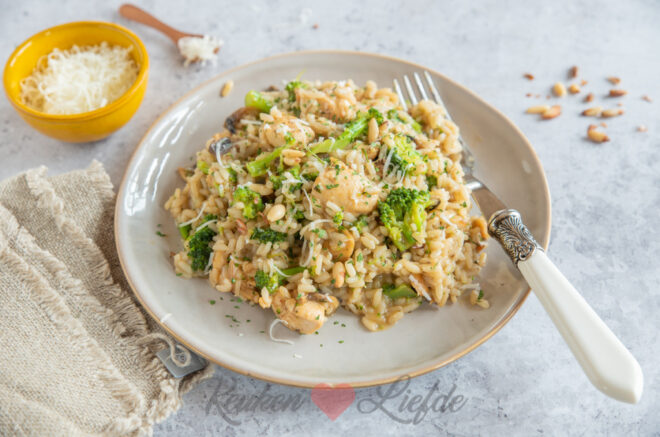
78, 352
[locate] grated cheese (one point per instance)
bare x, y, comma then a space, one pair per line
191, 221
279, 340
80, 79
196, 49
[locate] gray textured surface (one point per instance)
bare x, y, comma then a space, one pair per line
606, 198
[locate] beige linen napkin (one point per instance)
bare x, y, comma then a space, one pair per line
78, 353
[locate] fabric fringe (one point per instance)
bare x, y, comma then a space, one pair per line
129, 324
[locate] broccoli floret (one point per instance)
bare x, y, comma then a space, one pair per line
252, 203
295, 174
233, 176
274, 280
185, 231
291, 89
393, 114
255, 99
403, 213
310, 176
361, 223
199, 248
268, 235
338, 218
203, 166
431, 181
263, 279
259, 166
395, 292
404, 157
299, 215
351, 132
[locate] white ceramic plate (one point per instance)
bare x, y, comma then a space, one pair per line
424, 340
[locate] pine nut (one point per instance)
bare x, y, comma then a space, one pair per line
291, 162
338, 274
528, 76
589, 97
540, 109
614, 80
596, 136
553, 112
574, 89
573, 72
618, 93
226, 89
276, 213
593, 112
612, 112
373, 131
559, 89
293, 153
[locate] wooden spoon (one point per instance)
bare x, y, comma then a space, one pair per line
134, 13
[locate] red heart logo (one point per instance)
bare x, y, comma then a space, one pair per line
333, 400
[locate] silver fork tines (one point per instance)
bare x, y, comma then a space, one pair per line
467, 160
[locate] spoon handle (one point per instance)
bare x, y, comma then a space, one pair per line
134, 13
605, 360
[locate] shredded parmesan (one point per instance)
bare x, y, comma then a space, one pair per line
207, 269
310, 202
205, 224
387, 162
80, 79
218, 156
308, 257
199, 49
420, 287
274, 267
191, 221
473, 286
312, 225
272, 337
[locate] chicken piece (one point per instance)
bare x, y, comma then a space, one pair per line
285, 129
305, 316
340, 245
341, 185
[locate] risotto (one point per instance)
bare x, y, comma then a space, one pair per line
326, 194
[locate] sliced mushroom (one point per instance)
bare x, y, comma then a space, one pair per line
220, 146
231, 122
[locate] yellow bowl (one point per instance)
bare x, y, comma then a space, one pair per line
86, 126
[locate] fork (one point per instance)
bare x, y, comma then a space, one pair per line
606, 361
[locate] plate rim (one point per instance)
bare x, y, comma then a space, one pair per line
302, 384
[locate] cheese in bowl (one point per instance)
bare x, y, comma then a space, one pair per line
79, 79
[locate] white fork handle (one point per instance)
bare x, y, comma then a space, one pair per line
605, 360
